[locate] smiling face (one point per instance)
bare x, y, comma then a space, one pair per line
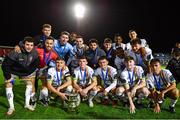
103, 63
120, 53
83, 63
49, 43
136, 47
130, 64
60, 64
73, 37
107, 46
64, 38
118, 40
46, 31
79, 42
132, 35
28, 46
156, 68
93, 46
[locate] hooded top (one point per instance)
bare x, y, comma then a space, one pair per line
20, 64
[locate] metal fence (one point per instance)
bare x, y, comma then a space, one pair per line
163, 57
4, 50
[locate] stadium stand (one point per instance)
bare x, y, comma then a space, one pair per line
4, 50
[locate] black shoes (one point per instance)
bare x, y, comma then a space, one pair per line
172, 109
125, 104
45, 101
139, 105
32, 102
151, 104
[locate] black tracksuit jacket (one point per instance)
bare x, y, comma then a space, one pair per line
20, 64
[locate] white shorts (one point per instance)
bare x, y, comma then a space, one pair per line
25, 78
42, 72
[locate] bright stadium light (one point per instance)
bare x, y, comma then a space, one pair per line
79, 10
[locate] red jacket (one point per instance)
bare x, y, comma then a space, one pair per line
45, 58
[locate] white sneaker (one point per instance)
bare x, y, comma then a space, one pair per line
34, 106
10, 111
29, 107
91, 104
78, 100
65, 105
97, 99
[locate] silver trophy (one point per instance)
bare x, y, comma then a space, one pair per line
160, 100
73, 102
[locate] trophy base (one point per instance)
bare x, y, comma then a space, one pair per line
72, 111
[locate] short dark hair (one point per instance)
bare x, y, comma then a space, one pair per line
93, 40
102, 58
121, 51
155, 60
79, 36
59, 59
135, 41
177, 44
117, 35
176, 52
50, 38
28, 39
128, 58
73, 33
82, 57
132, 30
107, 40
65, 33
47, 26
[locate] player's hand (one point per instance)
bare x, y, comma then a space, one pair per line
157, 108
79, 90
132, 108
105, 92
84, 92
58, 89
63, 96
133, 92
17, 49
161, 95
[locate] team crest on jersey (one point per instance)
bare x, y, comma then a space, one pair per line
31, 58
21, 59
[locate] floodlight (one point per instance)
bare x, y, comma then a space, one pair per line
79, 10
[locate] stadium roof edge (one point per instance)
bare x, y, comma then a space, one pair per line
6, 46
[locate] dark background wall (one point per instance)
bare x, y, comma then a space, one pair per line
156, 21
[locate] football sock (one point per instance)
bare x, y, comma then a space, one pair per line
173, 102
32, 94
92, 95
43, 93
28, 94
10, 96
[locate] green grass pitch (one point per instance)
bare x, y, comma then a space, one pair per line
54, 110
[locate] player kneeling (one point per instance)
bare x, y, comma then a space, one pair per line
134, 83
22, 65
59, 79
82, 79
106, 77
162, 84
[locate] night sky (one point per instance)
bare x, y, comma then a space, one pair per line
156, 21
